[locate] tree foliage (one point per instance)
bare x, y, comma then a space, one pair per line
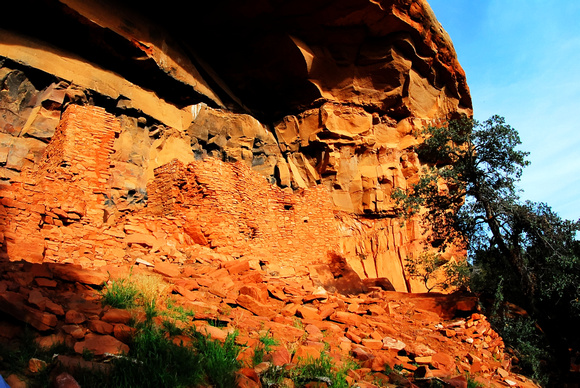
468, 196
437, 273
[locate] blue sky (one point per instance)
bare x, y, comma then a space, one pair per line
522, 60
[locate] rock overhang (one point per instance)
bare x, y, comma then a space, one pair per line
266, 58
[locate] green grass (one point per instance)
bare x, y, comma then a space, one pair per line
177, 312
321, 369
219, 361
154, 359
472, 383
264, 347
120, 293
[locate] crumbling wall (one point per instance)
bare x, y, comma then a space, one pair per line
326, 110
58, 213
242, 214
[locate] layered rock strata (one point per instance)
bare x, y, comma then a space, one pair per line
320, 99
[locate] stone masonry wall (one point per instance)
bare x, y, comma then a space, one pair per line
207, 208
44, 214
242, 214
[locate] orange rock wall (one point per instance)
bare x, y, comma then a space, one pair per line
331, 105
61, 199
58, 213
241, 214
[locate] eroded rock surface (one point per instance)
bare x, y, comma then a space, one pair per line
241, 154
316, 104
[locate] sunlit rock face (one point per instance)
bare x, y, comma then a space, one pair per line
310, 95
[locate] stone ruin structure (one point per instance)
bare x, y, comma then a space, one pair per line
278, 138
243, 155
60, 211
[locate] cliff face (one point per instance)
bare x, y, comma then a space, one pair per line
274, 131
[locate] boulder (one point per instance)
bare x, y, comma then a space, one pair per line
101, 344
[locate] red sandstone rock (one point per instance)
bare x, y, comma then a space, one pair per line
361, 354
308, 312
243, 381
250, 373
183, 291
194, 231
73, 363
314, 333
280, 356
75, 331
51, 340
392, 343
123, 332
77, 274
237, 266
456, 382
347, 318
141, 238
48, 283
101, 344
353, 337
64, 380
255, 307
14, 381
74, 317
54, 308
167, 269
14, 305
37, 299
36, 365
188, 284
372, 343
116, 316
100, 327
258, 293
213, 332
305, 352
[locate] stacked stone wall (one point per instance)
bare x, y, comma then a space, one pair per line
240, 213
57, 202
58, 212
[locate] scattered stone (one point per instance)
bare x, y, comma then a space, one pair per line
64, 380
167, 269
391, 343
255, 307
36, 365
101, 344
74, 317
117, 316
14, 381
72, 273
15, 305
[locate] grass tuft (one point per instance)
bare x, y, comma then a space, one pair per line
119, 293
319, 370
264, 347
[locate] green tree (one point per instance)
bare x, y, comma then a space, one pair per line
435, 272
469, 196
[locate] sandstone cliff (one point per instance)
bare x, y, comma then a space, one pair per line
286, 126
240, 156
